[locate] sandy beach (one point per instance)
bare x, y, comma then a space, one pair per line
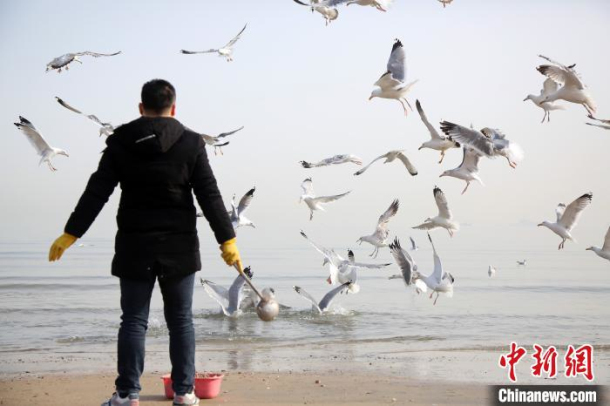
252, 389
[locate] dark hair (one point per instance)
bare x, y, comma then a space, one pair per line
158, 95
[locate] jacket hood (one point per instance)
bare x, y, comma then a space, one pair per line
148, 135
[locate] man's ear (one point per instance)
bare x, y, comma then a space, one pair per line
173, 110
141, 108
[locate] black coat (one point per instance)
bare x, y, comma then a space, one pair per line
159, 164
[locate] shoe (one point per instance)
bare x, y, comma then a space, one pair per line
131, 400
186, 400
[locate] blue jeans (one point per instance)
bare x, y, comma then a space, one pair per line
177, 306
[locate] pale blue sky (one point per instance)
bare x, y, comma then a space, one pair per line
300, 89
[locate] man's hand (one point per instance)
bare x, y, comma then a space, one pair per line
230, 253
60, 245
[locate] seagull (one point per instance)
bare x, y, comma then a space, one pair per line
487, 142
329, 13
439, 281
491, 271
413, 246
381, 5
522, 263
404, 261
437, 142
379, 238
468, 169
234, 300
334, 160
444, 218
603, 252
226, 51
573, 90
41, 146
605, 123
567, 217
326, 301
216, 141
313, 202
66, 59
391, 85
237, 212
391, 156
549, 87
445, 2
105, 128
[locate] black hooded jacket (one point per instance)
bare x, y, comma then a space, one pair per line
159, 164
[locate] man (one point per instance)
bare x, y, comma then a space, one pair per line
159, 165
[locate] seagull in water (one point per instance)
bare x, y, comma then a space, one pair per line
334, 160
603, 252
573, 90
439, 281
315, 202
41, 146
66, 59
488, 142
468, 169
444, 218
522, 263
391, 156
605, 124
326, 301
549, 87
379, 238
414, 247
105, 128
491, 271
237, 212
437, 141
226, 51
234, 300
329, 13
391, 85
567, 217
217, 141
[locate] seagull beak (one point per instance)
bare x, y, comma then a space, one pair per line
526, 99
540, 225
588, 249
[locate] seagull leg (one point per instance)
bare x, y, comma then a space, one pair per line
404, 108
442, 157
310, 215
51, 167
466, 188
432, 293
329, 281
450, 232
548, 117
220, 149
408, 104
544, 117
437, 295
512, 164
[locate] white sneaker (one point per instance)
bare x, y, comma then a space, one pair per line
185, 400
131, 400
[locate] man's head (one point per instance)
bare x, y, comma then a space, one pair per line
158, 98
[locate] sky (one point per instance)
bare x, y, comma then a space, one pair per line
300, 88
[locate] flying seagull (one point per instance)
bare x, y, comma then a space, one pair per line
329, 13
391, 85
468, 169
488, 142
234, 300
379, 238
217, 141
444, 218
326, 301
603, 252
225, 51
105, 128
237, 212
605, 124
391, 156
549, 87
315, 202
567, 217
381, 5
66, 59
573, 89
334, 160
522, 263
41, 146
439, 281
491, 271
437, 141
445, 2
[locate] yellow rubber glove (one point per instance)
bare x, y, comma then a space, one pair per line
60, 245
230, 253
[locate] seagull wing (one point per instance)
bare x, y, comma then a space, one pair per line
433, 133
91, 117
229, 132
403, 158
437, 275
66, 105
33, 136
235, 293
307, 296
441, 203
198, 52
559, 211
606, 246
472, 138
361, 171
573, 211
403, 260
382, 223
330, 296
95, 54
549, 87
234, 40
560, 73
327, 253
470, 160
328, 199
245, 201
396, 63
307, 187
413, 245
218, 293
